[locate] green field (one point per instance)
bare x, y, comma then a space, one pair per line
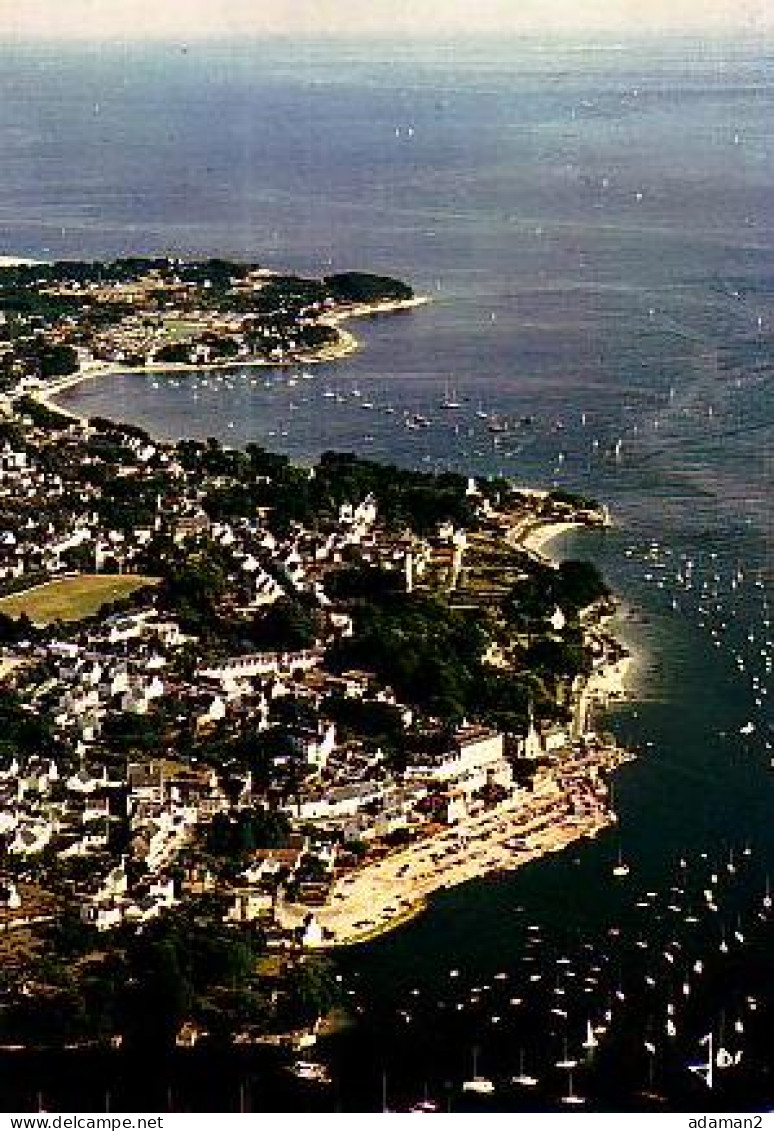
72, 598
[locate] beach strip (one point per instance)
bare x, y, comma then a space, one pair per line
346, 345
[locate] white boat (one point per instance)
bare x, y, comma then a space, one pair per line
451, 400
620, 869
591, 1041
566, 1061
572, 1098
524, 1079
480, 1085
311, 1070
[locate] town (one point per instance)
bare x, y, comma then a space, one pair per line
250, 710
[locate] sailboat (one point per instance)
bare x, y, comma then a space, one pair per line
649, 1092
705, 1070
572, 1097
738, 935
620, 869
591, 1041
425, 1106
243, 1106
481, 1085
524, 1079
450, 399
566, 1061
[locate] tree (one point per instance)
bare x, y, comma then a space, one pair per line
358, 287
581, 584
165, 993
235, 837
287, 626
293, 711
57, 361
312, 990
557, 659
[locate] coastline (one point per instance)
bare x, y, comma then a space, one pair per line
568, 804
615, 680
538, 539
380, 897
347, 344
388, 893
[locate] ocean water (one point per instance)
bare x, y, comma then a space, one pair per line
594, 228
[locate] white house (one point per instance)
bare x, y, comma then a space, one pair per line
473, 749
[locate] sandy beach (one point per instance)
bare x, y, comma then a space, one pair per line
568, 803
539, 538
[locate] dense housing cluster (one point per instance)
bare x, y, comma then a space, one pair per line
231, 686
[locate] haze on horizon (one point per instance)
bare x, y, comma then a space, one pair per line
206, 19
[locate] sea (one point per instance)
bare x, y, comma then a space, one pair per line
593, 224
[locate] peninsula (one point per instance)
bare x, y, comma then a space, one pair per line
251, 710
61, 323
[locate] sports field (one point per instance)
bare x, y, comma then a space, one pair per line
72, 598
